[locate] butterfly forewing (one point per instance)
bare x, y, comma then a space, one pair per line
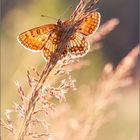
36, 38
90, 23
77, 45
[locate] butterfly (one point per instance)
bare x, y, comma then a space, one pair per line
47, 37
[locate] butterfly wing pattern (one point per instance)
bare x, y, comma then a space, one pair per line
77, 45
35, 39
51, 45
47, 37
90, 24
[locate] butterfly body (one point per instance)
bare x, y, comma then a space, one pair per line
72, 32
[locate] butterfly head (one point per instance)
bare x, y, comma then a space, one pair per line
59, 23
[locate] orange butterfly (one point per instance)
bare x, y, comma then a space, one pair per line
47, 37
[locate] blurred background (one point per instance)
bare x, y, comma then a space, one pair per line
19, 16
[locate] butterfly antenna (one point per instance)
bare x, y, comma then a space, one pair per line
49, 17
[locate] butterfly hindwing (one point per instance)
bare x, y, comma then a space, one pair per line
90, 23
77, 45
51, 45
36, 38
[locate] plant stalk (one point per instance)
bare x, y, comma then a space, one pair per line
32, 103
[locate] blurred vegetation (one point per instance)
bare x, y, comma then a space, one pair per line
19, 16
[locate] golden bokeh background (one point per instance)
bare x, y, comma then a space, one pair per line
19, 16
